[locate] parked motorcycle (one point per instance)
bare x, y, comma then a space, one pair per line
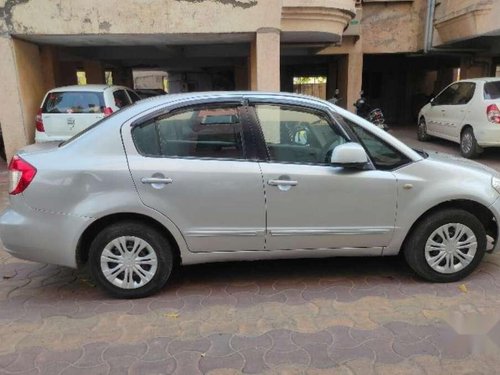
374, 115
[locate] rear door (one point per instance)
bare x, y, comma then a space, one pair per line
192, 166
65, 114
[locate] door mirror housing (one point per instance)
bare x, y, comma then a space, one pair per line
432, 101
349, 155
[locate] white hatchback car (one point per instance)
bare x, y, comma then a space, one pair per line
66, 111
466, 112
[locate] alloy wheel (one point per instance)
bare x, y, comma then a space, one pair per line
129, 262
450, 248
467, 142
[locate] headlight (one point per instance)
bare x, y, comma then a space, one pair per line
495, 182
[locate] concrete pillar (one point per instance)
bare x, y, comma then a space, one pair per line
444, 78
475, 67
93, 71
331, 81
50, 66
350, 78
264, 61
23, 88
122, 76
241, 77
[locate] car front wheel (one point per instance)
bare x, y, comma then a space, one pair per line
422, 131
130, 260
446, 246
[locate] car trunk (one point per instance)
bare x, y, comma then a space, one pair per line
65, 114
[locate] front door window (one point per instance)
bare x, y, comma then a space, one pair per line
295, 135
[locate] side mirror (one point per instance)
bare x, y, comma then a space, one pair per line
349, 155
432, 101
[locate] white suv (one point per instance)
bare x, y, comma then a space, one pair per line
66, 111
466, 112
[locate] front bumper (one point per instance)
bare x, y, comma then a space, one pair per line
41, 236
495, 208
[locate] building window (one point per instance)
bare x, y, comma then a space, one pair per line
108, 77
81, 77
313, 86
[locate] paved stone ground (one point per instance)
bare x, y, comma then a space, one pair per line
334, 316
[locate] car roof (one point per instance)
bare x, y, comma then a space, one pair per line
91, 87
204, 96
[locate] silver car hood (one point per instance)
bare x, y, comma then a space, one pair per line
455, 161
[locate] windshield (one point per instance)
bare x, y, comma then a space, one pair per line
74, 102
383, 155
492, 90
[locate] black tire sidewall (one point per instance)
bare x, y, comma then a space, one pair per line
474, 152
422, 137
158, 242
415, 247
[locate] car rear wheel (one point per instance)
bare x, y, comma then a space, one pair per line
446, 246
130, 260
468, 144
422, 131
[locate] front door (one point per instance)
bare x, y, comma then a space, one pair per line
310, 203
454, 113
191, 166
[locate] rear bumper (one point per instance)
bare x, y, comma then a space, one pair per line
41, 236
488, 136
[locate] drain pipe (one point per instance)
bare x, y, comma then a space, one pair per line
429, 26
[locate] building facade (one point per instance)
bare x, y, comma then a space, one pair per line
399, 52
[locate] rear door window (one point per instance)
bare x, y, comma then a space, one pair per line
121, 98
133, 96
203, 132
74, 102
492, 90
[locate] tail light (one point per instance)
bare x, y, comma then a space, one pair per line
107, 111
39, 121
21, 173
493, 114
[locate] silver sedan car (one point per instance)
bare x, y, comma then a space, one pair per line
211, 177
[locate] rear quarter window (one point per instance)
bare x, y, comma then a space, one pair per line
74, 102
492, 90
121, 98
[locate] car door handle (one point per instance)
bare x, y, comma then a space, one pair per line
282, 183
156, 180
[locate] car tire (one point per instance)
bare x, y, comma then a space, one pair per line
468, 144
143, 253
437, 258
422, 131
